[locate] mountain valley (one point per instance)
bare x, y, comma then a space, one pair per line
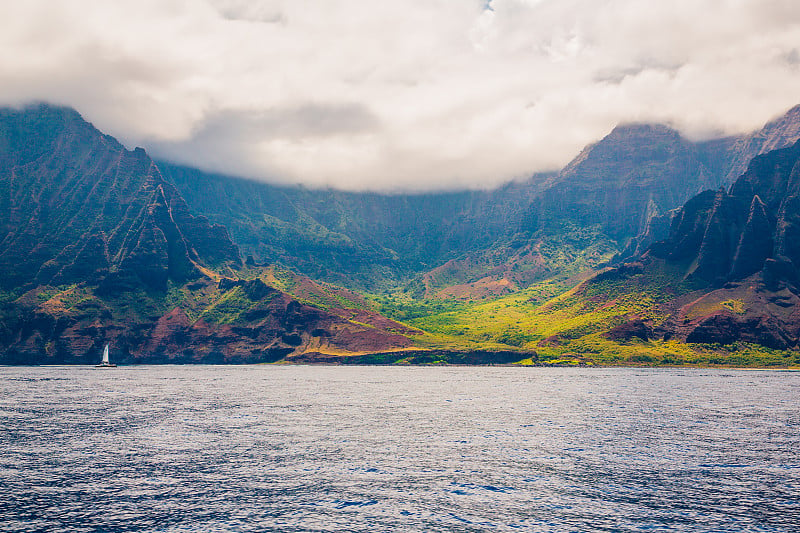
647, 248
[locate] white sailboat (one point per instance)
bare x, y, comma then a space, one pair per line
105, 363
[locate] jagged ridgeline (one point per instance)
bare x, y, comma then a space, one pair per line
753, 227
97, 244
740, 251
96, 247
77, 206
477, 244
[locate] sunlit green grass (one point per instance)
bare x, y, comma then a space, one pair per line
564, 324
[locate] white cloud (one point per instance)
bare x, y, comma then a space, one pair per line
419, 94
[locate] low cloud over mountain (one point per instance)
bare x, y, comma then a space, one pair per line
413, 95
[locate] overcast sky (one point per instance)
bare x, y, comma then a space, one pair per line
405, 94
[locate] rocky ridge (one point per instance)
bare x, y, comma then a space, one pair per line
779, 133
481, 244
739, 249
76, 206
96, 247
634, 173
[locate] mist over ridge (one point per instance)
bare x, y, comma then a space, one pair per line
415, 96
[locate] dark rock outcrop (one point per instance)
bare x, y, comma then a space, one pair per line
728, 235
755, 243
636, 328
741, 249
725, 328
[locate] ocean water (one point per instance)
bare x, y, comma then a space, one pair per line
312, 448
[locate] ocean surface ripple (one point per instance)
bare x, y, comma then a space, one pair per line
311, 448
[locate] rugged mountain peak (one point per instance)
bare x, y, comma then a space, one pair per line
778, 133
630, 130
76, 205
622, 181
729, 235
626, 146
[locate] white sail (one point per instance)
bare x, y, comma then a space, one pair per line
105, 355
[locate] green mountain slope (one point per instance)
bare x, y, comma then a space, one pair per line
479, 244
76, 205
96, 247
723, 288
363, 240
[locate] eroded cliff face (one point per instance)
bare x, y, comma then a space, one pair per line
76, 205
751, 228
741, 249
96, 247
780, 133
636, 172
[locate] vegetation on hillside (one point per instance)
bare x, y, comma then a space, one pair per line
97, 245
564, 321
